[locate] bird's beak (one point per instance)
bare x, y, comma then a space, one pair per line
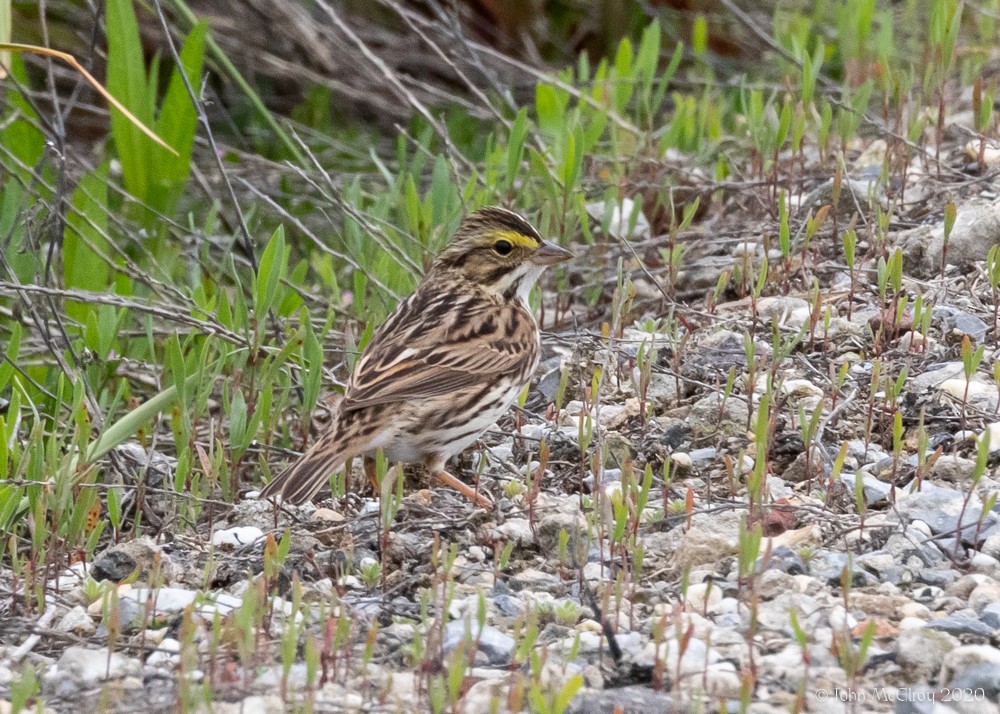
548, 253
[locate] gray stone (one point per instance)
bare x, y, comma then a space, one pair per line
786, 560
991, 546
921, 700
828, 566
939, 577
962, 625
984, 594
873, 490
940, 507
800, 472
716, 415
716, 354
120, 561
710, 538
921, 652
515, 530
89, 666
990, 616
953, 468
508, 606
491, 642
623, 700
548, 535
957, 323
534, 579
965, 657
864, 453
982, 679
77, 622
975, 231
773, 583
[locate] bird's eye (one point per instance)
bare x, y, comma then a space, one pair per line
503, 247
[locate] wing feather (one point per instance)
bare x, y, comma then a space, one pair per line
402, 364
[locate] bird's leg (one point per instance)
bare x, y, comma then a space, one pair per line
388, 481
371, 473
437, 471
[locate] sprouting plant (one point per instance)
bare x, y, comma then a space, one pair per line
982, 110
950, 214
971, 358
372, 573
645, 359
802, 640
390, 489
850, 240
923, 443
993, 276
762, 435
873, 390
757, 289
942, 37
674, 252
835, 470
24, 688
852, 658
978, 471
996, 381
809, 426
784, 236
567, 612
750, 538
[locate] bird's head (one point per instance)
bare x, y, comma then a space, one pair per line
499, 251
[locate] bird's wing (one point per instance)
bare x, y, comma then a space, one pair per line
423, 351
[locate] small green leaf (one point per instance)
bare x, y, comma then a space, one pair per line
272, 269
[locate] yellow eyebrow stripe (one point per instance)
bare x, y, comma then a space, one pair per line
517, 239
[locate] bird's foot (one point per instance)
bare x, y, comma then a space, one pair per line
465, 489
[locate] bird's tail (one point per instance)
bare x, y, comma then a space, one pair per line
304, 478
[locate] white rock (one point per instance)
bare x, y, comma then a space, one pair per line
964, 657
167, 600
703, 596
692, 662
746, 249
166, 653
621, 214
681, 460
78, 622
976, 390
788, 311
992, 432
991, 152
991, 546
915, 609
516, 530
841, 619
237, 536
367, 562
801, 388
91, 666
595, 571
984, 594
722, 681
